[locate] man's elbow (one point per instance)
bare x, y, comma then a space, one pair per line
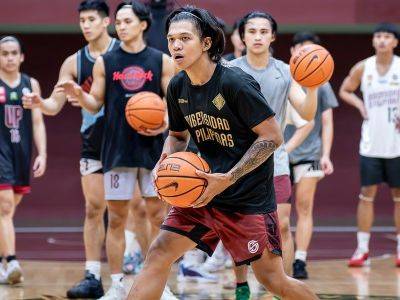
278, 139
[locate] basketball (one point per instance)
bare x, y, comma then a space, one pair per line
145, 110
311, 66
177, 182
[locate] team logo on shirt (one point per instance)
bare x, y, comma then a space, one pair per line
219, 101
395, 81
183, 101
133, 78
12, 117
13, 96
253, 246
87, 84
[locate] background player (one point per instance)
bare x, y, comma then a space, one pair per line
238, 46
378, 78
258, 31
17, 129
310, 162
93, 21
240, 188
127, 155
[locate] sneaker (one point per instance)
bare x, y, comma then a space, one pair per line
132, 263
167, 294
3, 276
243, 293
116, 292
14, 272
299, 269
195, 273
214, 264
89, 287
359, 259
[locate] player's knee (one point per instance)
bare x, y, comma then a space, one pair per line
94, 211
284, 226
304, 208
6, 207
157, 218
116, 220
158, 254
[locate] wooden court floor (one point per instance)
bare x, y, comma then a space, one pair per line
331, 279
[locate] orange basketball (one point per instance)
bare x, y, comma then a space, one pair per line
311, 66
145, 110
177, 182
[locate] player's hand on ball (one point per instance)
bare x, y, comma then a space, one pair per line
326, 165
31, 100
153, 132
216, 184
39, 166
157, 166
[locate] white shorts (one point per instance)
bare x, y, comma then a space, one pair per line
308, 169
89, 166
119, 183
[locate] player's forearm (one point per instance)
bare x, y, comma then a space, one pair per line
51, 106
308, 108
258, 153
327, 138
299, 136
39, 136
351, 98
175, 144
90, 103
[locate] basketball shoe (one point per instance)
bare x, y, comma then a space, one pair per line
89, 287
132, 263
116, 292
167, 294
14, 272
3, 275
359, 259
243, 292
195, 273
299, 269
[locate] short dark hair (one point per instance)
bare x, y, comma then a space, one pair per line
387, 27
141, 10
11, 38
257, 14
206, 24
100, 6
305, 36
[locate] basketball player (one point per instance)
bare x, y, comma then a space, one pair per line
93, 21
223, 110
238, 46
127, 155
17, 129
258, 31
310, 162
379, 80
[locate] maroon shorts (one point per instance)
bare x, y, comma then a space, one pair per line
18, 189
244, 236
283, 189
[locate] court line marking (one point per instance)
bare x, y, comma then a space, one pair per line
333, 229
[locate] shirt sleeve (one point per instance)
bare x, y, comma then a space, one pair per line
175, 116
250, 103
328, 99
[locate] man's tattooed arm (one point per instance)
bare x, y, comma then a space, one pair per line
258, 153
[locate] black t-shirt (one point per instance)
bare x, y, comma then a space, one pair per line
219, 116
126, 75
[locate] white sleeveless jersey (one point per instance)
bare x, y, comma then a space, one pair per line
379, 137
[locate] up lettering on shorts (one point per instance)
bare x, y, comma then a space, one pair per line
2, 94
13, 116
253, 246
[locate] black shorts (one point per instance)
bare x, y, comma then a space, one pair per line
375, 170
245, 237
15, 174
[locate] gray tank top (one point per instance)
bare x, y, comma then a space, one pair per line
275, 81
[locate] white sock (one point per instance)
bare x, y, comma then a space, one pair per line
131, 243
398, 243
193, 258
302, 255
363, 241
94, 267
117, 278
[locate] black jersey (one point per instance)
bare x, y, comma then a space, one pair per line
92, 125
127, 74
219, 116
15, 134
